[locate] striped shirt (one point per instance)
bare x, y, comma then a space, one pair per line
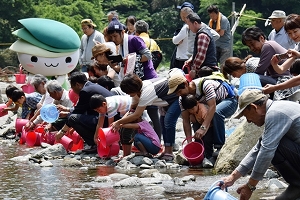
30, 103
209, 90
117, 104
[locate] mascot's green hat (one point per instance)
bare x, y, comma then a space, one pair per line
48, 34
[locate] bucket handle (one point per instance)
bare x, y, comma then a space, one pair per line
218, 186
20, 69
192, 138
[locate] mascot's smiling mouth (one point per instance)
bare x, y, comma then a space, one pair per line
51, 65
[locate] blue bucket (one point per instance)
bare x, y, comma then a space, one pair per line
249, 81
49, 113
216, 193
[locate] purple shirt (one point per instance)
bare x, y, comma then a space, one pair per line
147, 130
135, 45
269, 49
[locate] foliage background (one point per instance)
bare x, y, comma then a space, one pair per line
162, 16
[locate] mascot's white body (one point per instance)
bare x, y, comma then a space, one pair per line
42, 50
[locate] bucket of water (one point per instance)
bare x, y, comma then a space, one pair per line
107, 136
108, 151
216, 193
20, 123
249, 81
33, 138
66, 142
20, 78
2, 113
49, 113
28, 88
193, 152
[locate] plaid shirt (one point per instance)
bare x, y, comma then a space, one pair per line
202, 46
30, 103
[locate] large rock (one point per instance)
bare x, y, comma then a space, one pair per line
237, 145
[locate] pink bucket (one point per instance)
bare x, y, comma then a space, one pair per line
28, 88
51, 137
73, 97
33, 138
20, 78
20, 123
108, 151
66, 142
23, 136
2, 106
75, 137
193, 152
78, 146
107, 136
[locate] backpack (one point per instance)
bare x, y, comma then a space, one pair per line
156, 57
217, 76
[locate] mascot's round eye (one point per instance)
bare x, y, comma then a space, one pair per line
34, 59
68, 59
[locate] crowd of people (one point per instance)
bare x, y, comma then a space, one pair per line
118, 87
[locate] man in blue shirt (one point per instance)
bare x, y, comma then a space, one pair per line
278, 33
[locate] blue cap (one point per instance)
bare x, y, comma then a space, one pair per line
186, 4
115, 25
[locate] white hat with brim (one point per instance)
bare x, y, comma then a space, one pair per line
278, 14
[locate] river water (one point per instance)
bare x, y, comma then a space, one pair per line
26, 180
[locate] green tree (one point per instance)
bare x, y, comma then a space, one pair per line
10, 13
71, 12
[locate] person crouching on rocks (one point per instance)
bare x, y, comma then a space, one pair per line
146, 140
198, 113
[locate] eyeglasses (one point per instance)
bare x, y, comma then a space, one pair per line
86, 28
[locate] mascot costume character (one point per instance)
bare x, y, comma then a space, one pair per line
47, 47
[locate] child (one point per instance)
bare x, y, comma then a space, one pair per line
28, 101
113, 107
198, 112
8, 91
146, 139
295, 68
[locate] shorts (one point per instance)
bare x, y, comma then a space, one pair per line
126, 134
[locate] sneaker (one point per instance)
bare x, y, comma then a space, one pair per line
207, 164
292, 192
91, 150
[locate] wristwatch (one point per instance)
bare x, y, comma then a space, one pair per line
251, 187
202, 127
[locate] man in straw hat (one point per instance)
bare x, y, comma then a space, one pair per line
279, 144
87, 42
278, 34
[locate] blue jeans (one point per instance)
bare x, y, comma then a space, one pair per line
168, 123
224, 109
146, 142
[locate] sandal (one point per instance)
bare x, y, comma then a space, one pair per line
167, 157
145, 155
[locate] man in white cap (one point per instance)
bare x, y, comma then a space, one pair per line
279, 144
278, 33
